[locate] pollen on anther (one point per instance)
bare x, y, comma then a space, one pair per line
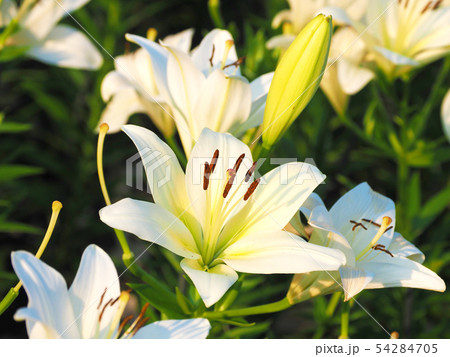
250, 171
231, 175
206, 176
213, 163
251, 189
238, 162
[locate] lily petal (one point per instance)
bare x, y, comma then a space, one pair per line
96, 281
46, 14
164, 173
113, 83
66, 47
400, 271
354, 280
151, 223
400, 247
223, 103
280, 252
445, 115
276, 199
181, 41
122, 105
48, 299
202, 56
187, 329
352, 77
211, 284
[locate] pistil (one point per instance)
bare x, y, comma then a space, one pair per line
382, 229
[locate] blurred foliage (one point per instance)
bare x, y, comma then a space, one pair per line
47, 152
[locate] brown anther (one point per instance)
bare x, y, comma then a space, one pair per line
213, 163
124, 322
371, 222
236, 63
212, 55
251, 189
206, 176
382, 248
406, 3
250, 171
387, 229
238, 162
437, 4
427, 6
115, 300
357, 224
232, 175
139, 325
103, 310
101, 299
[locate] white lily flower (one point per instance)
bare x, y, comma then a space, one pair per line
217, 216
131, 88
204, 88
445, 115
361, 224
48, 42
405, 34
93, 305
344, 74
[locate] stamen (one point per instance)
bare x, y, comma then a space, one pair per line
437, 4
212, 55
357, 224
122, 325
384, 224
238, 162
228, 45
206, 176
231, 174
213, 163
371, 222
139, 325
427, 6
152, 33
251, 189
135, 323
382, 248
236, 63
389, 228
103, 310
250, 171
101, 299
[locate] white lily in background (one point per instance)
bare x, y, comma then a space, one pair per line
361, 224
344, 74
205, 88
217, 216
405, 34
131, 88
48, 42
445, 115
93, 305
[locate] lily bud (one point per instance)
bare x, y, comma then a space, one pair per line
296, 78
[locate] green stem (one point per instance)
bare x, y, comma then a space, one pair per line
176, 149
402, 192
329, 312
360, 134
255, 310
345, 319
214, 12
8, 299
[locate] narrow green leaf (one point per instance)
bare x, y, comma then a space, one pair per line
12, 172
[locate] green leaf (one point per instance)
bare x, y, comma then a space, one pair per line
16, 227
9, 53
162, 300
414, 195
183, 302
14, 127
13, 172
236, 322
433, 208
